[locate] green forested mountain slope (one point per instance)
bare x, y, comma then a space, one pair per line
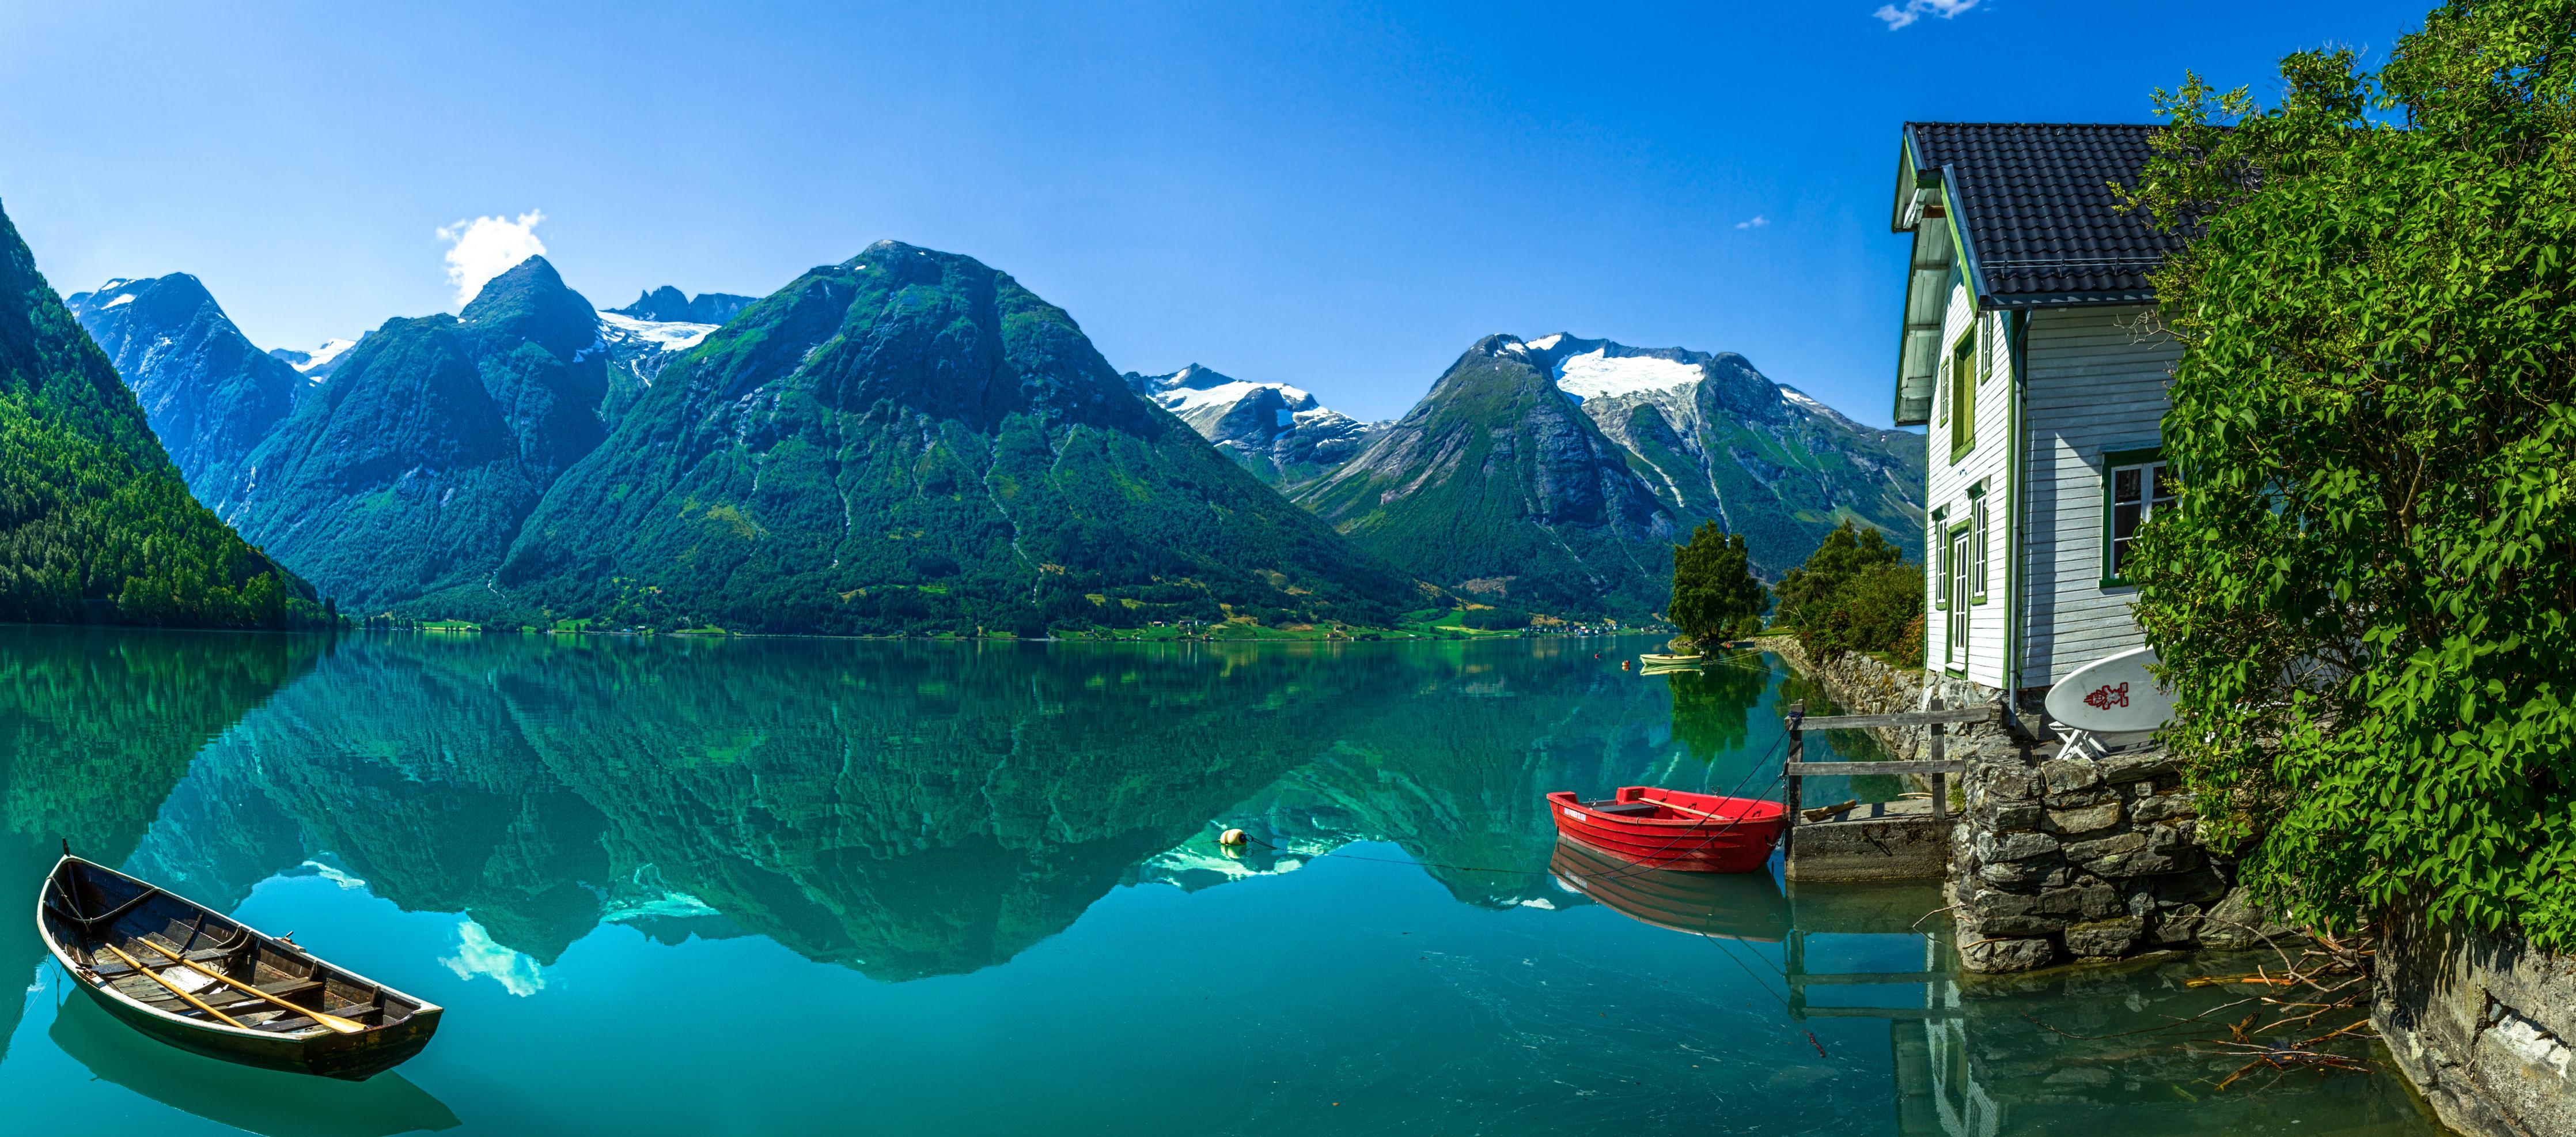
912, 440
404, 477
1497, 486
95, 522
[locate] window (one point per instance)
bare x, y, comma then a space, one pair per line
1978, 546
1932, 552
1954, 651
1963, 396
2139, 485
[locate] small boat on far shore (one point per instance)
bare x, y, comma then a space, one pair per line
1673, 829
1651, 659
192, 977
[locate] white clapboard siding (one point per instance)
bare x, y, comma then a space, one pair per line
1948, 486
2097, 383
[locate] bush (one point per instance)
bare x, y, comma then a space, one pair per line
1857, 593
1494, 619
2362, 599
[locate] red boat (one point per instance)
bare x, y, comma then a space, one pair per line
1671, 829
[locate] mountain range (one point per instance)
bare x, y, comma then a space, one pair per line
96, 522
911, 441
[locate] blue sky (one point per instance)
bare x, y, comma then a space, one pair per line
1337, 195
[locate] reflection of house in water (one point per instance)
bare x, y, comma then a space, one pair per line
2073, 1050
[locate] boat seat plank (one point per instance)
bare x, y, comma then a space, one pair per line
113, 970
223, 998
1626, 808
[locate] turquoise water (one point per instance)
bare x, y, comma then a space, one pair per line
757, 886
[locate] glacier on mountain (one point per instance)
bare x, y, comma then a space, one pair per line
1277, 431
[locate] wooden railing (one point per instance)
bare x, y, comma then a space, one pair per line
1938, 767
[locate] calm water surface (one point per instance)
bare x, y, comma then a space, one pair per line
762, 886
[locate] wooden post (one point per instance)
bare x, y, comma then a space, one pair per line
1940, 782
1797, 754
1793, 965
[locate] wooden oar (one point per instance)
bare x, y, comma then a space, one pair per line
155, 976
335, 1022
1687, 809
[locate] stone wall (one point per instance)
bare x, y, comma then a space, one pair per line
2063, 858
2055, 858
2481, 1025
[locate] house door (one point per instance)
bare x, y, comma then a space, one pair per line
1955, 647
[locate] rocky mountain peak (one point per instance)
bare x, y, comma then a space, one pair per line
532, 300
668, 305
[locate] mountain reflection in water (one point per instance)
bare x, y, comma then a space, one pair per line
913, 816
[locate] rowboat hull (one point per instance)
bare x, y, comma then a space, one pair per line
143, 920
354, 1057
1670, 829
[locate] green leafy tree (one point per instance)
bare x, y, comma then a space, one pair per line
1855, 593
2364, 598
1714, 593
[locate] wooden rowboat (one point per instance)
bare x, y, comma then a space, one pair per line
1653, 660
196, 979
1726, 906
1671, 829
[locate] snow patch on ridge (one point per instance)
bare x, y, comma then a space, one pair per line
1597, 374
322, 356
1184, 399
128, 298
669, 336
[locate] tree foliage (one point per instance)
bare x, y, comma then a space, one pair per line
1714, 593
1855, 593
2364, 597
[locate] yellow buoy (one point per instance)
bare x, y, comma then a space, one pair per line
1233, 837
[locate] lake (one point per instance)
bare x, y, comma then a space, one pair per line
761, 885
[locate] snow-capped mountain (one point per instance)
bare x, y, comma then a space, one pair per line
1556, 473
1278, 432
1714, 438
318, 364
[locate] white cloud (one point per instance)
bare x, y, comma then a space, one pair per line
1913, 10
486, 247
1754, 222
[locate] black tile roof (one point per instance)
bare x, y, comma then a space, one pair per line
2035, 207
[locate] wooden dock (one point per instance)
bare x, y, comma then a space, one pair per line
1898, 840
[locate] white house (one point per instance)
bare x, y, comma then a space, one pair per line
2030, 353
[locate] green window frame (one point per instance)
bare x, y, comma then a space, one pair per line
2136, 485
1936, 542
1979, 547
1963, 393
1955, 561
